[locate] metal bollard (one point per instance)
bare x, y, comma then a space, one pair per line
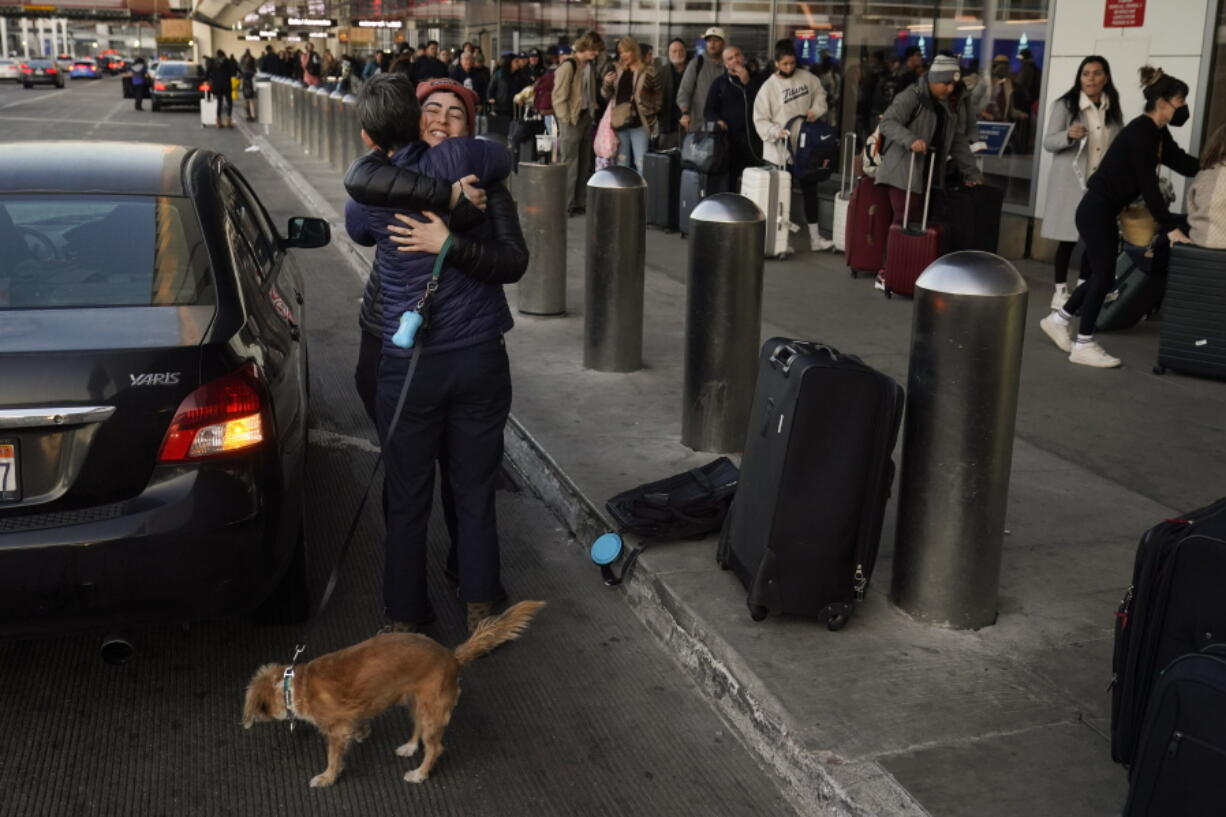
353, 131
542, 207
314, 120
966, 360
336, 118
326, 117
298, 99
723, 321
263, 102
616, 254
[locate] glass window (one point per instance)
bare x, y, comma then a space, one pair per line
170, 70
248, 216
85, 251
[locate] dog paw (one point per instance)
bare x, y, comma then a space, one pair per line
415, 776
362, 734
321, 780
407, 750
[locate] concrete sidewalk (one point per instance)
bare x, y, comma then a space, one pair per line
888, 716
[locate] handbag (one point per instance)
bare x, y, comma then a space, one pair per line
606, 143
705, 151
623, 112
1137, 225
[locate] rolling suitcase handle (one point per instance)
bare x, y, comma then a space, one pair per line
785, 353
906, 210
846, 180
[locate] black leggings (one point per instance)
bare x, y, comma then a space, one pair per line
1064, 254
809, 191
1096, 222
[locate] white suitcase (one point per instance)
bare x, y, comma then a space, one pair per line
771, 189
843, 199
208, 112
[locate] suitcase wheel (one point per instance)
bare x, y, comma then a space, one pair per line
835, 623
1159, 369
889, 293
757, 612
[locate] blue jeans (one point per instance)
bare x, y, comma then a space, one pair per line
632, 146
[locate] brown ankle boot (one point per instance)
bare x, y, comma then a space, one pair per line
478, 611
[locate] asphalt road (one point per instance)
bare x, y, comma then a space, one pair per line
585, 715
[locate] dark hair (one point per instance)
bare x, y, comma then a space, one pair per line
783, 48
1157, 84
1215, 150
505, 62
910, 51
1072, 97
432, 42
388, 111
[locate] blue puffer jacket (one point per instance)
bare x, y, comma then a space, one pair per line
464, 311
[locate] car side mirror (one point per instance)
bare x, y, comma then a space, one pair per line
308, 233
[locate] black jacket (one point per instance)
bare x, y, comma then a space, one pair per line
502, 259
429, 68
731, 102
220, 74
1130, 169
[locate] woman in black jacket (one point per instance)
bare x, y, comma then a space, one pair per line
221, 72
448, 111
1128, 170
503, 87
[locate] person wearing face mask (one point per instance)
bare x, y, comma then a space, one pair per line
787, 96
1082, 125
1128, 170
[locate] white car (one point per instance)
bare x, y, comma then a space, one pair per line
10, 69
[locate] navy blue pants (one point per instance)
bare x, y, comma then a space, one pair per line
463, 396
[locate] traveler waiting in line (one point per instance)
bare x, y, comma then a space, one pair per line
246, 67
703, 70
221, 72
730, 105
462, 390
574, 103
502, 89
1082, 124
1128, 170
671, 69
787, 95
922, 119
633, 89
1207, 195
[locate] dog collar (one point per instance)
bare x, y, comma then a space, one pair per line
287, 690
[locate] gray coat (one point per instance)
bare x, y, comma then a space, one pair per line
695, 83
1064, 191
912, 115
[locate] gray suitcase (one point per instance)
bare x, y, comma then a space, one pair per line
696, 186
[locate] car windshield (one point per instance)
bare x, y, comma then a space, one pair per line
96, 251
181, 69
40, 63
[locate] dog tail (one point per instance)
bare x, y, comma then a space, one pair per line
495, 631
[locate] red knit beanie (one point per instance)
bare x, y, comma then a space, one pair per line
466, 95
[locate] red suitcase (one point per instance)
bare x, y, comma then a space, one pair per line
868, 227
910, 251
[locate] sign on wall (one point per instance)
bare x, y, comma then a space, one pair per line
1124, 14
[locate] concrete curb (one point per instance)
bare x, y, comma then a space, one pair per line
817, 782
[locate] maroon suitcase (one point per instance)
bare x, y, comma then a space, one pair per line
910, 251
868, 227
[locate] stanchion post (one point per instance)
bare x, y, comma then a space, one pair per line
336, 130
962, 388
353, 131
723, 321
616, 255
542, 210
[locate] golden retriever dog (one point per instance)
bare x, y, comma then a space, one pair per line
340, 692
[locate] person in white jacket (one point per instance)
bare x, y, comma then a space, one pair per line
786, 96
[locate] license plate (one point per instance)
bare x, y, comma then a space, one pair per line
10, 486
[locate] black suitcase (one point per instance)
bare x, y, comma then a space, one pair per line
1175, 605
1140, 283
695, 187
662, 171
1193, 336
971, 217
804, 527
1182, 755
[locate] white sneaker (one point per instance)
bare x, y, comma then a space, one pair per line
880, 282
820, 244
1059, 299
1091, 354
1058, 332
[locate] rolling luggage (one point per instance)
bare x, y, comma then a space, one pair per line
1175, 605
1193, 337
705, 150
771, 189
868, 226
695, 187
910, 251
803, 530
662, 171
1182, 754
208, 112
970, 217
843, 198
1140, 283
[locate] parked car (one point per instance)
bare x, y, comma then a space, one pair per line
177, 83
41, 72
85, 68
10, 69
114, 63
154, 411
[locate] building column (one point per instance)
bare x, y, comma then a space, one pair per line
25, 37
4, 37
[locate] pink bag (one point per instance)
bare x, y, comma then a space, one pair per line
606, 143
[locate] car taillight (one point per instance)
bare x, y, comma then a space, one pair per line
25, 69
159, 86
51, 71
220, 417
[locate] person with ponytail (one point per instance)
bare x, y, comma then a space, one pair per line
1083, 124
1128, 170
